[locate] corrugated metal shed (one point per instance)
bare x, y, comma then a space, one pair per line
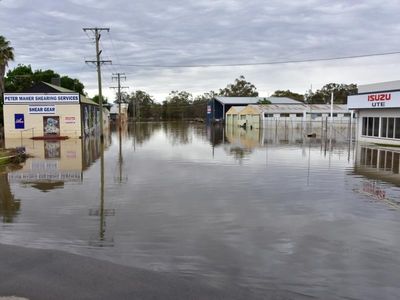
235, 110
254, 100
320, 108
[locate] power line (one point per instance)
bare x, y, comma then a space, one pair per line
279, 62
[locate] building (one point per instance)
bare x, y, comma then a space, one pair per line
231, 116
296, 116
50, 111
114, 112
378, 112
218, 106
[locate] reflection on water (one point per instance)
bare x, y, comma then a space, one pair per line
379, 166
9, 206
264, 209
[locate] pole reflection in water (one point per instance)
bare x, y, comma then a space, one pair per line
102, 212
120, 175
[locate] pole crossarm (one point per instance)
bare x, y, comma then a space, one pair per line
96, 28
100, 61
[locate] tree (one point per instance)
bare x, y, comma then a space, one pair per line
96, 99
199, 105
72, 84
263, 101
340, 93
288, 94
143, 106
178, 105
19, 78
22, 77
6, 55
240, 88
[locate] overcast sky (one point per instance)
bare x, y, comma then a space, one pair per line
48, 34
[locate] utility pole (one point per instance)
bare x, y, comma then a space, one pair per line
98, 62
118, 76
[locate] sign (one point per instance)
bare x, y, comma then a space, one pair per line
19, 121
374, 100
43, 110
13, 98
208, 109
69, 120
32, 176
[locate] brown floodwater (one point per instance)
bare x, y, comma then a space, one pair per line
264, 210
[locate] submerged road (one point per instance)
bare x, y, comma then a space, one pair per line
48, 274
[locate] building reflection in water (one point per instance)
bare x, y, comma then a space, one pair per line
241, 142
53, 163
50, 165
379, 166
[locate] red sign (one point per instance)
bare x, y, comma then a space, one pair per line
380, 97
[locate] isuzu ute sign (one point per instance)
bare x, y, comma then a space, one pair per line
374, 100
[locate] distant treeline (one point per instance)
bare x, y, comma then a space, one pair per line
180, 105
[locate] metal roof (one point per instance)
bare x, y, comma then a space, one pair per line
64, 90
235, 109
254, 100
311, 108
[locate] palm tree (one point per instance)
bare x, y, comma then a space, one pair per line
6, 55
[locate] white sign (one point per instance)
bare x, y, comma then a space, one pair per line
70, 120
44, 110
374, 100
32, 176
12, 98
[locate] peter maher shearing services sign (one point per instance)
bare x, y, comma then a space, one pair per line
374, 100
13, 98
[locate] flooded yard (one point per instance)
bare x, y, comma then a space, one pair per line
273, 212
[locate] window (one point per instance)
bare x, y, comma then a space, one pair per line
370, 126
315, 115
299, 115
397, 129
376, 127
390, 128
364, 126
384, 127
268, 115
334, 115
284, 115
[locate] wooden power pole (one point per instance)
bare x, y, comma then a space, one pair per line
98, 62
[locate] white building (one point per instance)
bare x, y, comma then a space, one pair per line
378, 109
293, 115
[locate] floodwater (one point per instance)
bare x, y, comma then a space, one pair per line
267, 211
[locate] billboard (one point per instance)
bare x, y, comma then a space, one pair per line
24, 98
374, 100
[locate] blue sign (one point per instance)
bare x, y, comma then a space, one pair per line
19, 121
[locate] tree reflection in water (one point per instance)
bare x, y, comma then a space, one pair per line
9, 206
